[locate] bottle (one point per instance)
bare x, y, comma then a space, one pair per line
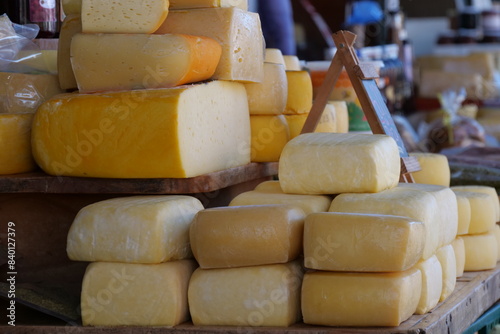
44, 13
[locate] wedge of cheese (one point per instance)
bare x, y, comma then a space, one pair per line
270, 134
269, 96
189, 4
273, 55
459, 251
326, 123
161, 133
464, 212
434, 169
15, 144
432, 284
300, 94
481, 251
448, 261
482, 212
71, 26
485, 190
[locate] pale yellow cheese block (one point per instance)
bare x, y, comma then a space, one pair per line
362, 242
486, 190
448, 261
481, 251
270, 134
247, 296
15, 144
482, 212
417, 205
237, 31
35, 61
342, 116
496, 230
71, 26
272, 186
72, 7
273, 55
300, 93
459, 250
464, 212
124, 294
188, 4
241, 236
326, 123
269, 96
292, 63
341, 163
432, 284
162, 133
124, 16
434, 169
360, 299
136, 229
104, 62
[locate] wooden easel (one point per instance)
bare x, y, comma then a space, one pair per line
362, 78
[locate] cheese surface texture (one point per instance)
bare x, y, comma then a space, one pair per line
160, 133
434, 169
269, 96
360, 299
448, 261
362, 242
71, 26
137, 229
341, 163
482, 212
237, 31
189, 4
240, 236
124, 16
481, 251
248, 296
485, 190
270, 134
103, 62
124, 294
464, 212
432, 284
15, 144
300, 95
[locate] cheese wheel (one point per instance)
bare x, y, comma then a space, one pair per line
72, 7
362, 242
247, 296
274, 56
360, 299
464, 213
124, 294
292, 63
189, 4
124, 16
300, 97
161, 133
482, 212
434, 169
270, 134
448, 261
269, 96
496, 230
432, 284
459, 250
481, 251
341, 163
240, 236
103, 62
326, 123
237, 31
137, 229
341, 116
485, 190
71, 26
15, 144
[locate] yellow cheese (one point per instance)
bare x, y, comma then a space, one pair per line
496, 230
485, 190
417, 205
340, 162
270, 134
292, 63
188, 4
459, 251
247, 296
35, 61
482, 212
326, 123
300, 96
124, 294
104, 62
362, 242
275, 56
162, 133
24, 93
72, 7
448, 261
432, 284
434, 169
341, 116
240, 236
237, 31
481, 251
137, 229
272, 186
360, 299
124, 16
269, 96
15, 144
464, 212
71, 26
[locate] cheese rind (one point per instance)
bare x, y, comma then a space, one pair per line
15, 144
464, 213
485, 190
459, 251
270, 134
448, 261
432, 284
71, 26
137, 229
434, 169
300, 96
360, 299
274, 56
269, 96
482, 212
481, 251
189, 4
292, 63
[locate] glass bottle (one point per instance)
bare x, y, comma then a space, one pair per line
44, 13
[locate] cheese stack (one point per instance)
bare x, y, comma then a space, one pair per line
248, 273
141, 260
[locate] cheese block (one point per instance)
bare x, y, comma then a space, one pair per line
434, 169
482, 212
341, 116
269, 96
432, 284
485, 190
448, 261
300, 96
189, 4
273, 55
15, 144
124, 294
103, 62
71, 26
71, 7
237, 31
272, 186
24, 93
417, 205
362, 242
35, 61
247, 296
360, 299
481, 251
459, 251
123, 17
464, 212
341, 162
326, 123
240, 236
270, 134
136, 229
162, 133
292, 63
496, 230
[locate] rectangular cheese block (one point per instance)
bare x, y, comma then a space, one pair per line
459, 251
335, 163
248, 296
300, 93
326, 123
124, 16
360, 299
362, 242
491, 191
237, 31
103, 62
15, 144
481, 251
240, 236
482, 212
160, 133
124, 294
432, 284
448, 261
417, 205
188, 4
270, 134
464, 212
434, 169
269, 96
71, 26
